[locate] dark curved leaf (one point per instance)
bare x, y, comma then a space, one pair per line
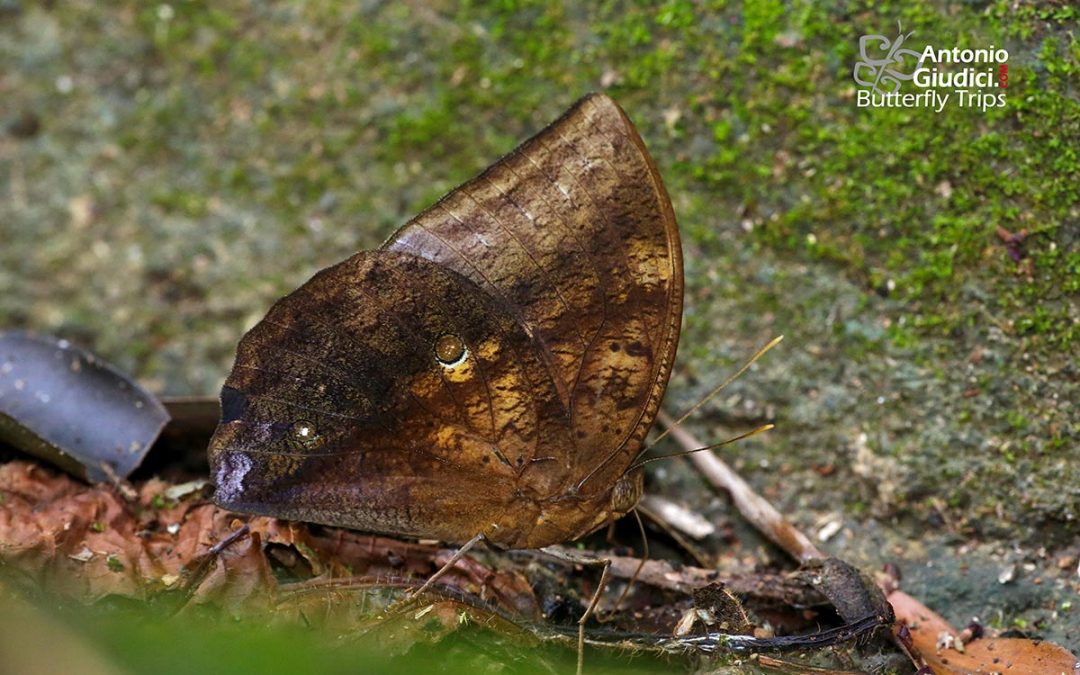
67, 406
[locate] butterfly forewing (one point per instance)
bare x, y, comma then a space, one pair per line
574, 232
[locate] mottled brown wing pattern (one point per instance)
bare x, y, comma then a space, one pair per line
398, 441
574, 233
492, 369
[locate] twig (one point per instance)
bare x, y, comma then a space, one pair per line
676, 516
755, 508
228, 541
663, 519
771, 588
792, 668
197, 568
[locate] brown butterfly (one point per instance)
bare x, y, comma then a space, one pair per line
491, 371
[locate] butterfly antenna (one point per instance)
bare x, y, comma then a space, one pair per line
733, 439
761, 352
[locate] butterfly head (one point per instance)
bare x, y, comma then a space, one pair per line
626, 492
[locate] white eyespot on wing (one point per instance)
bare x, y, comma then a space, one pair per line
458, 361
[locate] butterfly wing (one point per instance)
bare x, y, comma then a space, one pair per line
574, 233
558, 271
341, 410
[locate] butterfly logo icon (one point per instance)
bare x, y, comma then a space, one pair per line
883, 71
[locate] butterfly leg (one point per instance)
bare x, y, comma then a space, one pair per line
448, 566
593, 561
637, 571
203, 563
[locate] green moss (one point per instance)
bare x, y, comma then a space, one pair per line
1016, 420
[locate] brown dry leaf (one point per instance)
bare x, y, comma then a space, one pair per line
511, 590
88, 542
984, 655
49, 522
343, 554
239, 576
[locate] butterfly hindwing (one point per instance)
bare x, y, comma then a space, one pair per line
344, 413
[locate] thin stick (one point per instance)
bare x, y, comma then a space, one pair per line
229, 540
672, 528
670, 514
198, 572
755, 508
600, 586
571, 556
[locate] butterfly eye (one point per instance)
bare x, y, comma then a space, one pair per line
303, 432
450, 350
